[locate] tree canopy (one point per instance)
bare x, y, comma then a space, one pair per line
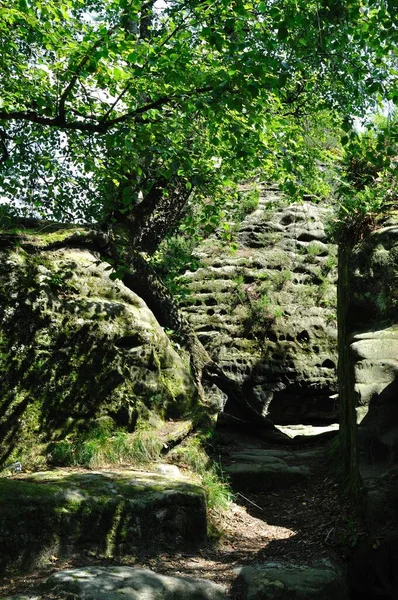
117, 109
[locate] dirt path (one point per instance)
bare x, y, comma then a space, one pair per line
299, 524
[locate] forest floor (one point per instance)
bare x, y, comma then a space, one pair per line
300, 524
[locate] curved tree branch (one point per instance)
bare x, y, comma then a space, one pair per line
100, 127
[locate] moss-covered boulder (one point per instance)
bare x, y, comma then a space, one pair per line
111, 513
76, 349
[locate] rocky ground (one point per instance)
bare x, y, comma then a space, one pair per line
302, 524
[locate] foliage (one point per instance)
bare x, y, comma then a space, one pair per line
120, 108
192, 455
100, 447
7, 216
262, 309
172, 258
368, 184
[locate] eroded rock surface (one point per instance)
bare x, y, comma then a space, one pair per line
266, 313
75, 348
369, 282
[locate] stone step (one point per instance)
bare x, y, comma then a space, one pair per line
110, 513
264, 470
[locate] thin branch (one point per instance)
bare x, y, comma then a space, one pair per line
34, 117
102, 126
77, 72
126, 89
156, 104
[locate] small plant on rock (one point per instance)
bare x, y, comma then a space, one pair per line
193, 456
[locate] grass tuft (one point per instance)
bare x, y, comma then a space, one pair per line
99, 447
193, 456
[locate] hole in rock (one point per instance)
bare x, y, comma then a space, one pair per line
303, 336
129, 341
271, 336
306, 236
328, 364
206, 328
250, 278
210, 301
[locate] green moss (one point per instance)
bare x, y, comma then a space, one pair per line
36, 235
65, 336
192, 454
108, 515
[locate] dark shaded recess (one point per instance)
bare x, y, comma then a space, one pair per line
381, 419
250, 278
328, 364
374, 570
255, 244
303, 336
317, 280
303, 409
197, 301
301, 268
123, 418
287, 219
205, 329
282, 338
210, 312
210, 301
128, 342
306, 236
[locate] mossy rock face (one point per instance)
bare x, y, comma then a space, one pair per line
267, 312
369, 370
76, 347
112, 513
374, 279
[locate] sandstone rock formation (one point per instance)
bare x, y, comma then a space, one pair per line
267, 311
284, 581
78, 349
369, 369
